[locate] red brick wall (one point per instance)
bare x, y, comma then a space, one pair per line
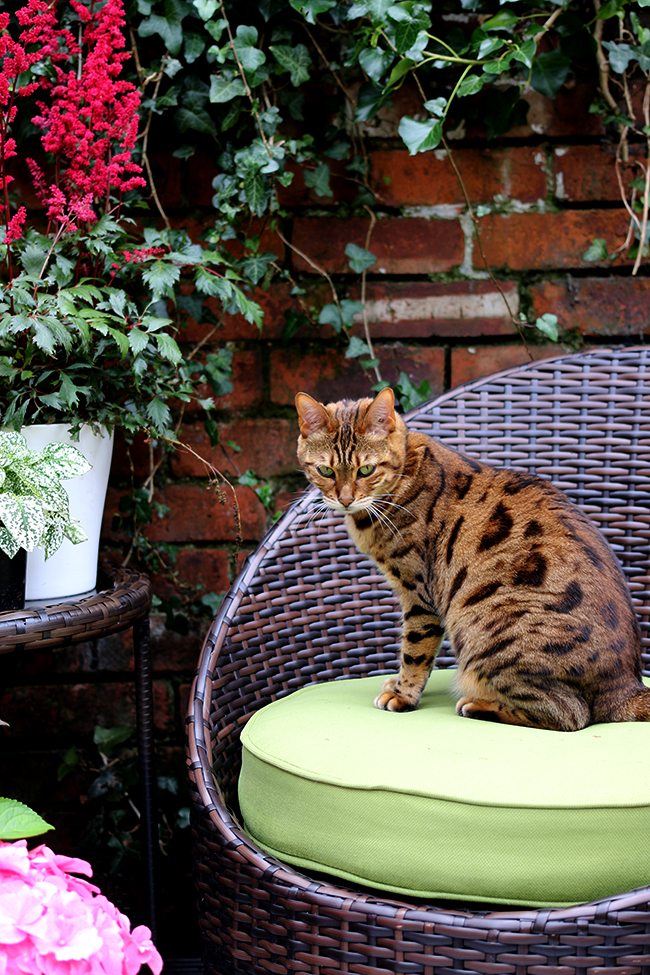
434, 314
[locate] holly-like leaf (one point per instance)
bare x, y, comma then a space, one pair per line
196, 119
161, 277
168, 348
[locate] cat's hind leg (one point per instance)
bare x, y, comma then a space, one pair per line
557, 708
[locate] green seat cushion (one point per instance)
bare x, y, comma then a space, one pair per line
428, 804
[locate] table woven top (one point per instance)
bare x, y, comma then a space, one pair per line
124, 599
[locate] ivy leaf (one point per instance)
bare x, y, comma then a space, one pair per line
295, 60
356, 348
251, 57
369, 100
255, 192
597, 251
196, 119
375, 62
420, 136
318, 180
400, 70
470, 85
360, 258
206, 8
504, 20
225, 86
193, 48
170, 30
341, 316
256, 265
620, 55
310, 8
525, 53
548, 325
549, 73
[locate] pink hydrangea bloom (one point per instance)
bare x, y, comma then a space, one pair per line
55, 923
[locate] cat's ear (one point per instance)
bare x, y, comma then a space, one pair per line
380, 417
312, 415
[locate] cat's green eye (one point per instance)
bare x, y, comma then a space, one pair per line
366, 469
326, 471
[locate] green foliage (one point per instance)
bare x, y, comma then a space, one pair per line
18, 821
34, 507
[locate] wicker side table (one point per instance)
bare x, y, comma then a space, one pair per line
123, 600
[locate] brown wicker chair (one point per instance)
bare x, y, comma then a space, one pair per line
308, 607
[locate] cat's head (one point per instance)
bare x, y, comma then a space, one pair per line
353, 451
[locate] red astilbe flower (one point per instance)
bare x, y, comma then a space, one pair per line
16, 224
91, 122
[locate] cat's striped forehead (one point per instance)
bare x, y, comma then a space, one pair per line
344, 437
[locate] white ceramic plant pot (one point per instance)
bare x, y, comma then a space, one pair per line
72, 570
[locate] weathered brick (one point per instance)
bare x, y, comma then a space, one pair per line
197, 515
586, 173
428, 178
206, 569
139, 456
246, 380
421, 309
268, 446
175, 652
199, 171
343, 187
469, 364
274, 303
167, 177
596, 306
56, 712
565, 115
332, 377
538, 241
401, 245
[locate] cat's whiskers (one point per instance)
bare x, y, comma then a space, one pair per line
371, 509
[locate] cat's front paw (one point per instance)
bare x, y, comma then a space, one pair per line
388, 700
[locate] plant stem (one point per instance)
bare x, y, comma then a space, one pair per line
366, 329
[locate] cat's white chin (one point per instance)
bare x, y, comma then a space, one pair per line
352, 509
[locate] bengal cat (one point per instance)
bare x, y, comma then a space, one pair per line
532, 598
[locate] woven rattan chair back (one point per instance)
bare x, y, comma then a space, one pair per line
308, 607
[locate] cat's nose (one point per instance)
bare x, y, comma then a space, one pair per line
346, 497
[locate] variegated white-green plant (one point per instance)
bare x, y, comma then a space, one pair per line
34, 505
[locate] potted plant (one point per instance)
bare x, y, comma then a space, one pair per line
34, 507
85, 332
